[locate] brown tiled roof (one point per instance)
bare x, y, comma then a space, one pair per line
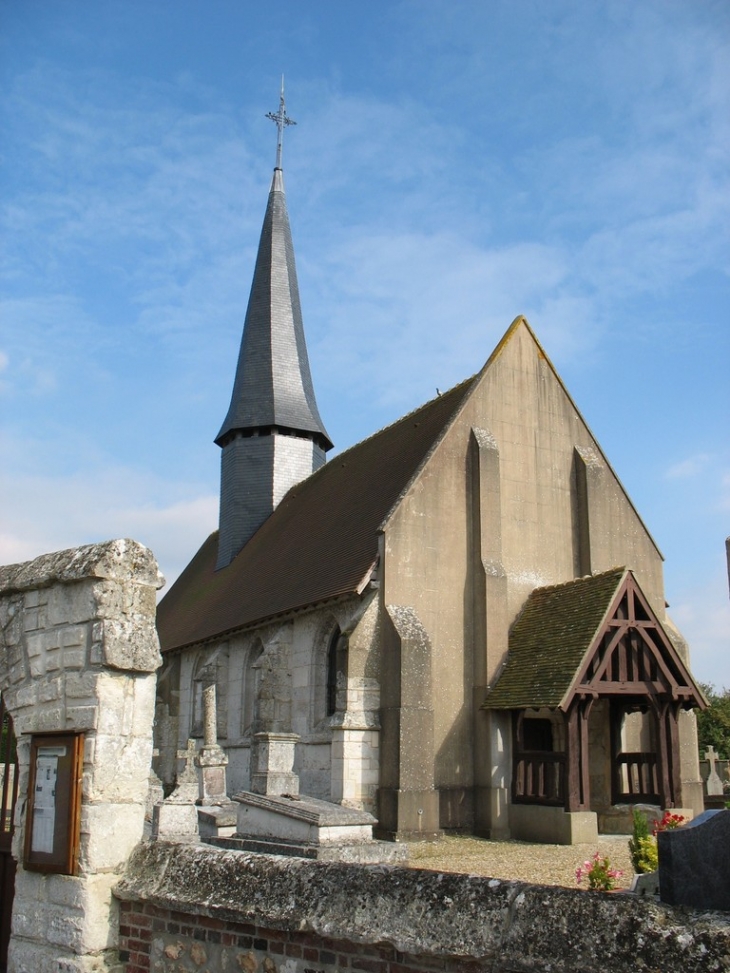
550, 639
319, 543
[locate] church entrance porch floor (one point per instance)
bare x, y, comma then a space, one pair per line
519, 860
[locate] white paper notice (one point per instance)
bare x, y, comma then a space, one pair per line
44, 804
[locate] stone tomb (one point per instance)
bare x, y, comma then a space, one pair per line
694, 863
287, 824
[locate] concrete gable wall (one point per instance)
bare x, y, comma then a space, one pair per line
493, 514
537, 429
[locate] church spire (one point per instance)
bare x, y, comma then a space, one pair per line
272, 436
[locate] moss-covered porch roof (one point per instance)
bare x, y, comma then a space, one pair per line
550, 639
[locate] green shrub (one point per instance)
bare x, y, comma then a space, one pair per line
642, 846
647, 857
713, 724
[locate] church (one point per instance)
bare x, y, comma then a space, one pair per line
458, 623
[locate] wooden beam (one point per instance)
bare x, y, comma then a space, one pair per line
663, 758
585, 774
673, 732
576, 759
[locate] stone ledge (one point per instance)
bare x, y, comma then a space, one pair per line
512, 925
362, 853
310, 810
121, 560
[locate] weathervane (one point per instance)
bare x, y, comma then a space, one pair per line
282, 120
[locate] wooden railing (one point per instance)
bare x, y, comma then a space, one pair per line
636, 778
539, 778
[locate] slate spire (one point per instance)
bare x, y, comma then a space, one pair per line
272, 436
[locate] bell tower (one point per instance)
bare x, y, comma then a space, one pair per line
273, 436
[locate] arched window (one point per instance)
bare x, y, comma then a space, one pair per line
332, 670
328, 674
251, 685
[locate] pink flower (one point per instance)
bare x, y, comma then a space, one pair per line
599, 873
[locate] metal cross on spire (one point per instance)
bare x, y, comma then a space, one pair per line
282, 120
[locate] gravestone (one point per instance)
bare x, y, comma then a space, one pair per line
714, 784
177, 816
694, 863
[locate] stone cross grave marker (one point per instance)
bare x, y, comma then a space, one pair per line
186, 789
189, 774
714, 784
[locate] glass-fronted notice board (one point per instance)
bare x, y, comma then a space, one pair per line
54, 802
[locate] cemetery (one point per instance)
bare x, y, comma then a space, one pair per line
78, 665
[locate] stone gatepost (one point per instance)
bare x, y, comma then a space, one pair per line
78, 654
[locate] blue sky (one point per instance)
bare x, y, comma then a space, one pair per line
454, 164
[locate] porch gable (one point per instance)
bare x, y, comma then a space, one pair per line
591, 637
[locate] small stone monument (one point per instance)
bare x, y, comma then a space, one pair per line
211, 758
693, 862
216, 811
177, 817
186, 788
273, 761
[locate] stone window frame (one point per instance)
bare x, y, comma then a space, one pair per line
250, 688
331, 672
329, 675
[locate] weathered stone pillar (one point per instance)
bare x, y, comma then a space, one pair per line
408, 803
78, 653
211, 759
355, 752
492, 732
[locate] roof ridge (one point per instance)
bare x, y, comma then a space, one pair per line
384, 429
584, 577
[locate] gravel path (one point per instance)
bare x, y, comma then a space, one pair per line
528, 862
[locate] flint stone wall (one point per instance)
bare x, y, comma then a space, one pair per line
187, 908
78, 652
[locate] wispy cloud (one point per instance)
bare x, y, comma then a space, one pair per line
56, 511
703, 616
690, 467
433, 306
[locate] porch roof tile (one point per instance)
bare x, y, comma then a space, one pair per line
550, 639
